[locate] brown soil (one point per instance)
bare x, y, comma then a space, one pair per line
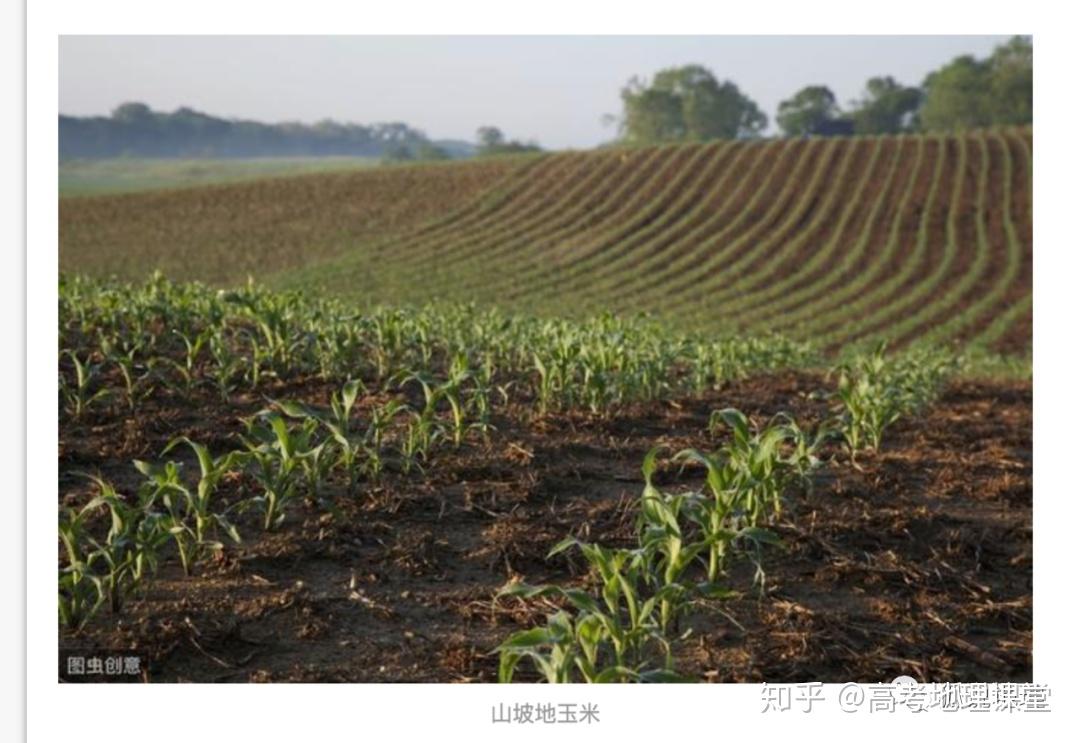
918, 564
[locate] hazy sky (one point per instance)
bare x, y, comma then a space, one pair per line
553, 89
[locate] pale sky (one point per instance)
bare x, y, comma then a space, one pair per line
552, 89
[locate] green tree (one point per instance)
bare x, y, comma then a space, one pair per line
651, 115
687, 103
490, 138
491, 141
133, 113
886, 107
968, 92
1011, 67
806, 111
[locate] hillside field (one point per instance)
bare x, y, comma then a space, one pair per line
833, 240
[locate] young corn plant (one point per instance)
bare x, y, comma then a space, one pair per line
189, 517
382, 416
130, 550
80, 591
125, 362
627, 615
723, 518
670, 549
871, 398
453, 392
81, 395
421, 433
566, 650
479, 402
226, 368
200, 506
547, 385
316, 460
756, 464
187, 370
278, 465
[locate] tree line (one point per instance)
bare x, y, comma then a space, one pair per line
690, 104
133, 129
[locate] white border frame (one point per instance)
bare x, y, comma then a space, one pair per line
291, 712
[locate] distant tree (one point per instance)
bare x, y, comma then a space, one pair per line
687, 103
490, 138
491, 141
956, 96
134, 129
1011, 81
651, 115
132, 112
969, 92
886, 107
807, 111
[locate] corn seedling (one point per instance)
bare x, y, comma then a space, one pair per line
125, 362
670, 551
876, 391
187, 368
278, 462
755, 464
189, 517
81, 395
381, 418
226, 368
630, 619
566, 645
130, 550
80, 591
316, 459
211, 472
421, 434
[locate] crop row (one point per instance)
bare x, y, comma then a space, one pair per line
905, 238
